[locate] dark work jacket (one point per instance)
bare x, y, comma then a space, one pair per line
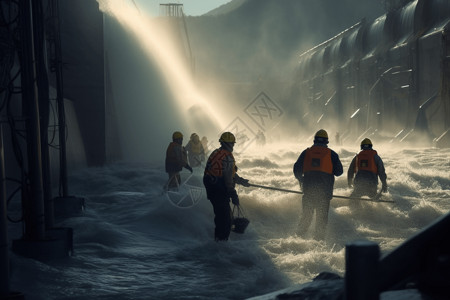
176, 158
220, 173
316, 183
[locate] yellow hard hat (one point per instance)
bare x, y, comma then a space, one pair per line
177, 135
321, 133
227, 137
366, 141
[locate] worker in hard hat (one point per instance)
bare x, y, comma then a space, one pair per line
364, 170
195, 151
176, 160
220, 178
315, 170
204, 141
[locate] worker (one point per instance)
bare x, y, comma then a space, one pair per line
364, 170
205, 145
315, 170
176, 159
220, 178
260, 138
195, 151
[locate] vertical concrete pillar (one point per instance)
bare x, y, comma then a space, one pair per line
361, 270
4, 258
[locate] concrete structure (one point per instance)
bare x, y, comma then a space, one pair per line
387, 78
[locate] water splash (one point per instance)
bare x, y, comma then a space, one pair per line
157, 39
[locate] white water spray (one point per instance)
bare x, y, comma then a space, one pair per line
159, 45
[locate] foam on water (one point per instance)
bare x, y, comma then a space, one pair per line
133, 243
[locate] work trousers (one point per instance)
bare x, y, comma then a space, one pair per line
222, 216
364, 188
311, 204
174, 180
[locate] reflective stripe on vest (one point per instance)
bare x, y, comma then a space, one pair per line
214, 166
318, 159
365, 161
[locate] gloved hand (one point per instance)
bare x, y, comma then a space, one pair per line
235, 199
384, 187
245, 182
188, 167
241, 181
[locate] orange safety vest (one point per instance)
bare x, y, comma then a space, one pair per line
214, 166
365, 161
196, 147
318, 158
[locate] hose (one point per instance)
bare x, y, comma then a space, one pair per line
375, 199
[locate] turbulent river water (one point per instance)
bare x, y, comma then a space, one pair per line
135, 242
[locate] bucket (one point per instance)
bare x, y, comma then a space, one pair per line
240, 222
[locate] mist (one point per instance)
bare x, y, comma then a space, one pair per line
153, 91
135, 240
236, 57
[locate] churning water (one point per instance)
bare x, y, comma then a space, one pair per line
135, 242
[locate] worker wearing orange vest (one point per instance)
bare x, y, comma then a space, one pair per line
220, 178
195, 151
176, 160
315, 170
366, 167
